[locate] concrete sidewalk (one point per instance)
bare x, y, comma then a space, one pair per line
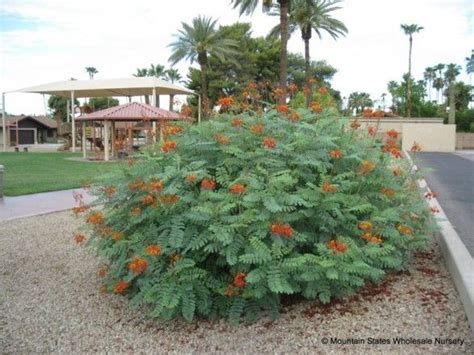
35, 204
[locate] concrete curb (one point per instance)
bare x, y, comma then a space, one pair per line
458, 259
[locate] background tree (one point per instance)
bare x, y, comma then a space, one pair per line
249, 6
438, 83
430, 76
359, 101
195, 43
58, 107
91, 71
392, 88
452, 71
173, 76
309, 15
470, 68
100, 103
409, 31
142, 72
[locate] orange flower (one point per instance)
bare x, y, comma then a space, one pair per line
355, 124
102, 272
168, 146
156, 185
294, 116
371, 238
257, 128
169, 198
366, 167
110, 191
229, 291
397, 171
387, 191
222, 139
148, 200
95, 218
312, 81
282, 109
191, 178
292, 88
389, 145
120, 287
278, 92
434, 210
416, 147
316, 107
282, 229
153, 250
368, 112
337, 246
396, 153
79, 239
135, 211
237, 189
430, 195
80, 209
208, 184
175, 258
336, 154
327, 187
392, 134
105, 231
186, 111
372, 130
116, 236
239, 280
269, 143
172, 130
323, 90
365, 226
404, 230
237, 122
137, 185
138, 265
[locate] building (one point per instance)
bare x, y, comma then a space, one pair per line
29, 130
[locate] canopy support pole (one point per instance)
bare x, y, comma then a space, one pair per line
84, 154
199, 108
153, 100
73, 123
4, 125
106, 140
112, 138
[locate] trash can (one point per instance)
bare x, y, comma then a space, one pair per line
1, 180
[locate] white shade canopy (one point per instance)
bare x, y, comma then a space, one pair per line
108, 87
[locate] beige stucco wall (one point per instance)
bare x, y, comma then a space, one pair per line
432, 137
464, 140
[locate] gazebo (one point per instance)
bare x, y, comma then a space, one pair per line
125, 118
127, 87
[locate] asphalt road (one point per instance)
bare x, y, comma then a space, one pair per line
452, 178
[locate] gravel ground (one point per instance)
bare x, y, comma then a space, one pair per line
50, 302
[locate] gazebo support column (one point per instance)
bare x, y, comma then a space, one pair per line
73, 124
112, 138
154, 122
84, 153
106, 140
4, 125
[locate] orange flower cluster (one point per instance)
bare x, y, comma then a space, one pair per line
282, 109
153, 250
294, 116
169, 198
430, 195
415, 148
95, 218
105, 231
337, 246
404, 230
191, 178
237, 189
434, 210
102, 272
116, 236
239, 280
110, 191
336, 154
282, 229
138, 265
367, 112
269, 143
257, 128
208, 184
121, 287
292, 88
175, 258
222, 139
225, 102
237, 122
148, 200
328, 187
168, 146
316, 107
79, 239
186, 111
156, 185
137, 185
229, 291
172, 130
365, 226
392, 134
372, 130
135, 211
366, 167
278, 93
372, 238
387, 191
323, 91
80, 209
355, 124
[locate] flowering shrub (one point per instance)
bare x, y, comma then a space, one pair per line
235, 213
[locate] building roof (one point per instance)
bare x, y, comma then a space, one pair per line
132, 111
108, 87
43, 120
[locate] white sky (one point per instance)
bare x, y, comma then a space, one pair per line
59, 38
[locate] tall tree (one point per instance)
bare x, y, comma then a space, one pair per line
158, 71
195, 43
452, 71
359, 101
430, 76
173, 76
309, 15
470, 68
409, 31
91, 71
438, 82
142, 72
392, 88
248, 7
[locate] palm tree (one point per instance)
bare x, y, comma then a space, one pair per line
195, 43
452, 71
309, 15
359, 101
392, 88
438, 84
248, 7
173, 76
470, 69
409, 31
429, 75
158, 71
91, 71
140, 74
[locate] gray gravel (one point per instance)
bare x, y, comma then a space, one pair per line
50, 302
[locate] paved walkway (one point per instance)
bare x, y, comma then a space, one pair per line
34, 204
452, 178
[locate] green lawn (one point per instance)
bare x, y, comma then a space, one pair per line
27, 173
